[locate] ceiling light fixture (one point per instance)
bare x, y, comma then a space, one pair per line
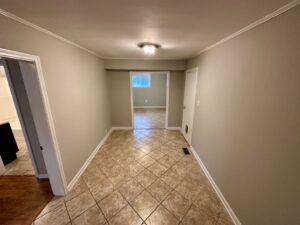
149, 48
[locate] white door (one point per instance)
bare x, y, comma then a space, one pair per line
189, 103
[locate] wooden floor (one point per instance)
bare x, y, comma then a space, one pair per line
22, 198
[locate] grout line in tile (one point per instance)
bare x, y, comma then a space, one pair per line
97, 206
144, 189
68, 212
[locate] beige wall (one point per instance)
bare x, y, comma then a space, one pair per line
119, 91
158, 65
8, 111
247, 125
76, 86
153, 96
176, 93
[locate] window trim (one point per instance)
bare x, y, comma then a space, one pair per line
141, 74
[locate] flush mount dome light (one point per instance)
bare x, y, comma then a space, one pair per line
149, 48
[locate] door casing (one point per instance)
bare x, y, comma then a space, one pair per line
188, 111
167, 97
45, 127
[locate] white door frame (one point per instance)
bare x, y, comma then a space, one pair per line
24, 133
52, 157
167, 96
195, 69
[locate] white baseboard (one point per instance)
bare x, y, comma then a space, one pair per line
88, 161
43, 176
121, 128
173, 128
149, 107
216, 188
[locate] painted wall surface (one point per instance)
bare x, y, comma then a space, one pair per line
119, 91
8, 111
76, 86
150, 65
176, 94
153, 96
247, 124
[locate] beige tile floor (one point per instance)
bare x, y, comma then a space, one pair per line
149, 118
139, 177
22, 165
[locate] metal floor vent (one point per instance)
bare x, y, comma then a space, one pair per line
186, 151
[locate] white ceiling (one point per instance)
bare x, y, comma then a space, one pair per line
112, 28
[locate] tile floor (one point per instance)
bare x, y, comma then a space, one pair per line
139, 177
149, 118
22, 165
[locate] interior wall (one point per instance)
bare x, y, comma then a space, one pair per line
176, 94
8, 111
142, 65
153, 96
247, 124
119, 92
76, 86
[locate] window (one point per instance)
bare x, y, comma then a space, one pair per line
141, 80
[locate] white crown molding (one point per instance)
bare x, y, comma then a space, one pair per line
45, 31
279, 11
147, 59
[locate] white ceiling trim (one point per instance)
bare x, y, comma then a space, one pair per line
146, 59
43, 30
254, 24
279, 11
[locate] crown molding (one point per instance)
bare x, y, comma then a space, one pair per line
266, 18
145, 59
239, 32
45, 31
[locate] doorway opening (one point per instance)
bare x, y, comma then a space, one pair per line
189, 102
149, 99
14, 154
27, 86
24, 183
